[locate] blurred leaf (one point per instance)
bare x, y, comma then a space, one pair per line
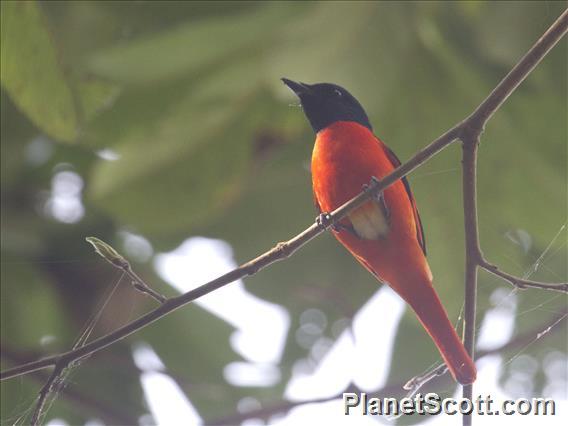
34, 303
95, 96
31, 72
505, 47
186, 48
185, 170
194, 345
15, 131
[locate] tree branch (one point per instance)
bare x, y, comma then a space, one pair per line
472, 249
80, 400
47, 389
473, 125
472, 129
522, 283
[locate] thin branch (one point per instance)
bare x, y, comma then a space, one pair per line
437, 377
415, 383
286, 249
140, 285
55, 380
522, 283
472, 130
108, 253
47, 389
81, 400
472, 249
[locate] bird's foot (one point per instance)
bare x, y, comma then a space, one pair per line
323, 220
371, 185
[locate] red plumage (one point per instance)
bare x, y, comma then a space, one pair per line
390, 242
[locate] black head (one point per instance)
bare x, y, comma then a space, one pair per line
326, 103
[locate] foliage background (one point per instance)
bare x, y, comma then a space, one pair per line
188, 96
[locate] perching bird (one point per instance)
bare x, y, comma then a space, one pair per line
385, 234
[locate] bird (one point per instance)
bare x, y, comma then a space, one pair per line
385, 234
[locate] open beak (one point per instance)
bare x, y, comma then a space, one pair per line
298, 88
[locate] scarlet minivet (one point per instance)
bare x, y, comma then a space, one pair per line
385, 234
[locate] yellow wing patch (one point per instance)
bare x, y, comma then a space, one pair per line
369, 221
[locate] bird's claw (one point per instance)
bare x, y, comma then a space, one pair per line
383, 204
323, 219
367, 187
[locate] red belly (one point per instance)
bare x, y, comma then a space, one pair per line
346, 156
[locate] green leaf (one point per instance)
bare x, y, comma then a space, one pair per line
33, 302
187, 47
31, 72
184, 169
95, 96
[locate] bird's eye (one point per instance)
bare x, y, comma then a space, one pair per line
337, 93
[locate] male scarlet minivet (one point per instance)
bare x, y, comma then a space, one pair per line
385, 234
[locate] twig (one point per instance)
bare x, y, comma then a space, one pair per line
140, 285
472, 249
521, 282
49, 386
108, 253
286, 249
436, 376
55, 380
81, 400
415, 383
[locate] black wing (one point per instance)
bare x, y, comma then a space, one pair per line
419, 230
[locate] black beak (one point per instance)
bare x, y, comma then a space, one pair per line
298, 88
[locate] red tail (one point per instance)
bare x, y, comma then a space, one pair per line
412, 280
425, 302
